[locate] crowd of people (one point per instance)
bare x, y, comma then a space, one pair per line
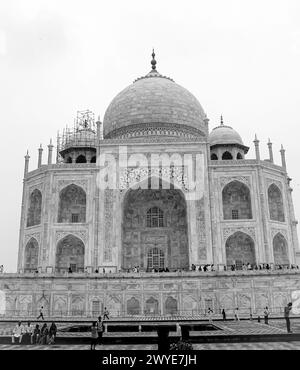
205, 268
30, 334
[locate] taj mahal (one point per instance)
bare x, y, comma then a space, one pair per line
130, 204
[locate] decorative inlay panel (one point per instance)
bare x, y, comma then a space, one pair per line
231, 230
225, 180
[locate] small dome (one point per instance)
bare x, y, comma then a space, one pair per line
84, 138
224, 135
154, 100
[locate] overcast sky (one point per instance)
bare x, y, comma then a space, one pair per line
240, 58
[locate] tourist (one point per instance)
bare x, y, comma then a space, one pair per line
287, 310
44, 334
105, 314
266, 315
1, 269
224, 315
166, 269
100, 329
18, 332
52, 333
94, 336
41, 313
28, 331
36, 334
70, 270
236, 314
209, 312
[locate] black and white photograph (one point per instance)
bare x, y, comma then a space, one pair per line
150, 179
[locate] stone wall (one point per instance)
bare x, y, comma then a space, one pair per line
169, 293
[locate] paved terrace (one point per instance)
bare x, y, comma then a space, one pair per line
142, 334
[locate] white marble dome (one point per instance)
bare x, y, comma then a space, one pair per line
154, 100
224, 135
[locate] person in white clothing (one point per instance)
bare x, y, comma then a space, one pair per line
18, 332
28, 332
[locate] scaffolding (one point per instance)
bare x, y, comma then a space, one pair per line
82, 135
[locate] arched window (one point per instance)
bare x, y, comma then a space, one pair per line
155, 259
240, 249
280, 250
93, 159
72, 204
275, 203
81, 159
214, 157
69, 160
35, 208
70, 254
239, 156
171, 306
226, 155
155, 217
31, 255
236, 201
133, 306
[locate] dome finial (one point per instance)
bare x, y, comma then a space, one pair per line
153, 61
222, 123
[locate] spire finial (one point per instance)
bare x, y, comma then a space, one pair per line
153, 61
222, 123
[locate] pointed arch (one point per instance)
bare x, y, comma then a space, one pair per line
280, 250
35, 208
171, 238
226, 156
239, 156
236, 200
81, 159
171, 306
240, 248
133, 306
31, 255
72, 204
275, 201
151, 306
214, 157
70, 254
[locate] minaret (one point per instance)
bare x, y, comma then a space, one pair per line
256, 143
40, 156
27, 156
99, 127
270, 151
50, 151
283, 162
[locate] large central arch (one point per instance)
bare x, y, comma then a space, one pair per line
154, 229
